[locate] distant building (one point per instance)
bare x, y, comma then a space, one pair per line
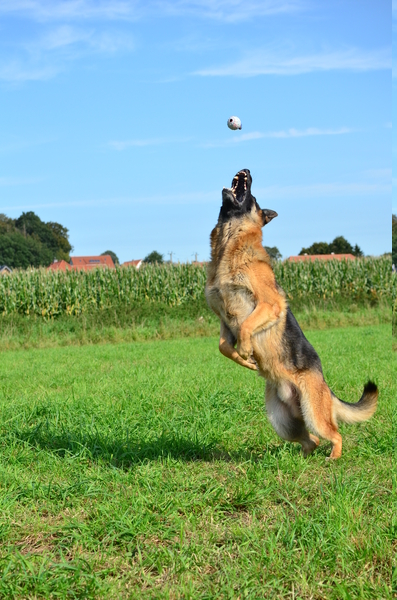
133, 263
87, 263
197, 263
59, 265
313, 257
4, 270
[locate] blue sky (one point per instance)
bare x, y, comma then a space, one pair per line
113, 119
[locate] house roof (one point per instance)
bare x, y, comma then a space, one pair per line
197, 263
60, 265
4, 269
313, 257
87, 263
133, 263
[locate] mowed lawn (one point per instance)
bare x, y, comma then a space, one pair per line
149, 470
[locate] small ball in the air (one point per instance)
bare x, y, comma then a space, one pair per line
234, 123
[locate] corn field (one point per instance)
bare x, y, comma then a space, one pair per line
53, 293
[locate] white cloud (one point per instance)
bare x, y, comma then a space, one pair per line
48, 55
158, 199
9, 181
223, 10
263, 62
61, 37
288, 133
124, 144
264, 195
16, 72
384, 174
17, 144
66, 37
53, 10
322, 190
230, 10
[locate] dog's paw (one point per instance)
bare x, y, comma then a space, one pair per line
244, 350
251, 364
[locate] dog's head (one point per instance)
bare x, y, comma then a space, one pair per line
238, 201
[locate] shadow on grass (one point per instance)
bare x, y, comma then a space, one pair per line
124, 453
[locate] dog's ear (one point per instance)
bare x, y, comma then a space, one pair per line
268, 215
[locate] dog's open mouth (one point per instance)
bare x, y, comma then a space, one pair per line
237, 193
239, 185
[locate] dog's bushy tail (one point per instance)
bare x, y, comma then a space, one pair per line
362, 410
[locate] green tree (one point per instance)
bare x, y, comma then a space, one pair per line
339, 245
316, 248
357, 251
394, 239
28, 241
154, 257
53, 235
273, 252
63, 248
7, 225
112, 255
23, 252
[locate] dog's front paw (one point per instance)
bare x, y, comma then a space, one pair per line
244, 349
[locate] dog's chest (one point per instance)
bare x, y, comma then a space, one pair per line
230, 297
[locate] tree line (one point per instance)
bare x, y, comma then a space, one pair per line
29, 241
338, 246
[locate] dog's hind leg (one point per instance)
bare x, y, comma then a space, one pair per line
287, 421
318, 411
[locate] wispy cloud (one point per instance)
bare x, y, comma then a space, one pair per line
283, 134
66, 37
10, 181
66, 10
385, 174
222, 10
263, 62
264, 195
48, 55
322, 190
158, 199
15, 144
231, 10
16, 71
124, 144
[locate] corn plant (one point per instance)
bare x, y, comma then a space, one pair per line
53, 293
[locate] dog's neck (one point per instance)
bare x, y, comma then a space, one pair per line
228, 237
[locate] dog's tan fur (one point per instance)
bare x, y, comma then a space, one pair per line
241, 289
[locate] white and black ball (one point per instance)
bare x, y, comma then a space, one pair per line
234, 123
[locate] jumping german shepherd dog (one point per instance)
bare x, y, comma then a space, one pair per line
242, 291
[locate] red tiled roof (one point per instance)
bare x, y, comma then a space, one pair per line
86, 263
314, 257
60, 265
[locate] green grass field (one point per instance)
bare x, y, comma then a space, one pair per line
142, 321
149, 470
